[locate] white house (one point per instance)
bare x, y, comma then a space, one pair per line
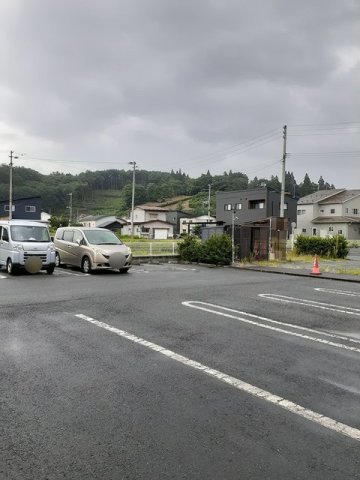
187, 225
150, 222
330, 212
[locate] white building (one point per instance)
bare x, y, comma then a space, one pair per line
330, 212
149, 222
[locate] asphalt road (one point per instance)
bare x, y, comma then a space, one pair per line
179, 372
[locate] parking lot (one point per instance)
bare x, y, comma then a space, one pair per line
179, 371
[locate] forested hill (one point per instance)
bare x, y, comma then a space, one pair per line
110, 191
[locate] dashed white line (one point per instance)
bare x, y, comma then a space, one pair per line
288, 405
205, 307
311, 303
338, 292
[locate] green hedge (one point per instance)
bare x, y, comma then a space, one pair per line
217, 250
332, 247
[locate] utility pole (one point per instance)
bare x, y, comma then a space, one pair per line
133, 198
70, 208
282, 198
11, 156
209, 212
233, 238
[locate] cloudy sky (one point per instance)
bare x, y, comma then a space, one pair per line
182, 84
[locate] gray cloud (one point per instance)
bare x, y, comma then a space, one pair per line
167, 81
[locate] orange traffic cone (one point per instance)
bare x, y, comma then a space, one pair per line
315, 270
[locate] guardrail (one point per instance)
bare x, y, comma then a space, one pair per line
150, 249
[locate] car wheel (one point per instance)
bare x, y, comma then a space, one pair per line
9, 266
86, 265
50, 270
123, 270
57, 260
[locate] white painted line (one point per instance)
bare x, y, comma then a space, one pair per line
338, 292
59, 272
2, 276
199, 306
311, 303
288, 405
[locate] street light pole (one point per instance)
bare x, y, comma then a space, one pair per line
209, 213
11, 156
133, 198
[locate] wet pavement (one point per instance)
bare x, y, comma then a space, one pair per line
343, 269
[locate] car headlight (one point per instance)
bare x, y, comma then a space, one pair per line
18, 247
99, 252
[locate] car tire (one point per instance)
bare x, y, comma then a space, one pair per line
10, 267
57, 260
123, 270
50, 270
86, 265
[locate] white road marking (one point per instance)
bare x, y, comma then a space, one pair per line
311, 303
59, 272
198, 305
338, 292
288, 405
2, 276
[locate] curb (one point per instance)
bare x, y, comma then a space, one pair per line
302, 274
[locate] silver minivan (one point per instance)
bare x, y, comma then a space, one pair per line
26, 244
91, 248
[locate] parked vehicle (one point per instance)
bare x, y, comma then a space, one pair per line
26, 244
91, 248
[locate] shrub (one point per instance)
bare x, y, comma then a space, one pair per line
332, 247
216, 250
190, 249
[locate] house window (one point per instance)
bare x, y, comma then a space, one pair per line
227, 207
331, 229
30, 208
332, 210
7, 208
346, 210
339, 232
256, 204
301, 212
303, 230
355, 211
238, 206
314, 232
322, 210
153, 216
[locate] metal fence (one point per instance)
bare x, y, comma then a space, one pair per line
149, 249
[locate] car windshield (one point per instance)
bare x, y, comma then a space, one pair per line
22, 233
102, 237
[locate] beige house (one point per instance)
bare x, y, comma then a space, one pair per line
149, 222
329, 212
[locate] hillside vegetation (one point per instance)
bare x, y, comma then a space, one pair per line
110, 191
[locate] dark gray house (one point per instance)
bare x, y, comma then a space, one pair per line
23, 209
253, 205
258, 229
175, 217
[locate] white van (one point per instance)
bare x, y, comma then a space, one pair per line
26, 244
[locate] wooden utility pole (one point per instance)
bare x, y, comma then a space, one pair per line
282, 199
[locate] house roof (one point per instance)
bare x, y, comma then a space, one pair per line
22, 198
326, 197
149, 208
336, 219
151, 221
320, 196
342, 197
